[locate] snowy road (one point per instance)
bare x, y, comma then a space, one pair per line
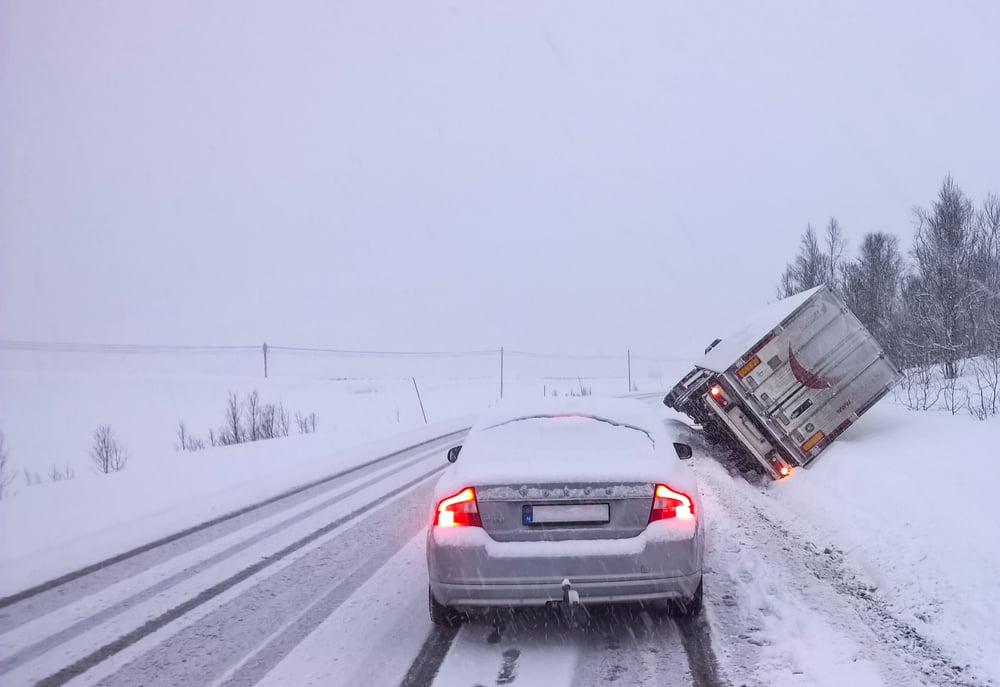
327, 586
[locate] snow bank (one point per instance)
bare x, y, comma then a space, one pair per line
51, 530
911, 498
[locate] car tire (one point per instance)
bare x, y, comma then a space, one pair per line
441, 615
689, 608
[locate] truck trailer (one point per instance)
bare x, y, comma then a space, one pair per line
783, 386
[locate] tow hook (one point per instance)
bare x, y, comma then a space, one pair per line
573, 611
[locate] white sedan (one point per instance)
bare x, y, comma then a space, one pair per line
568, 501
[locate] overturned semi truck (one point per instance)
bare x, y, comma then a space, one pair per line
783, 386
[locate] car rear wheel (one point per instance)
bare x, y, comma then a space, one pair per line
442, 615
689, 608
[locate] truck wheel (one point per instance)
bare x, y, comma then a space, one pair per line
442, 616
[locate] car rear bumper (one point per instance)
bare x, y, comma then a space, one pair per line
469, 569
540, 594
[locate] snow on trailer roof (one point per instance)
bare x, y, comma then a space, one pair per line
756, 327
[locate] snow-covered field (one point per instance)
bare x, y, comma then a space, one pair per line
48, 418
874, 567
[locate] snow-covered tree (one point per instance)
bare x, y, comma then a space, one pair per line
872, 288
816, 263
809, 269
942, 293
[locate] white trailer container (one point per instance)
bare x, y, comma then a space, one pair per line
787, 383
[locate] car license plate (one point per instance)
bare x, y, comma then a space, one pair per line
575, 513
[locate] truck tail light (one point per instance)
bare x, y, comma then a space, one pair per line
669, 503
459, 510
715, 391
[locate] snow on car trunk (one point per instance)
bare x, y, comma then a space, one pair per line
578, 470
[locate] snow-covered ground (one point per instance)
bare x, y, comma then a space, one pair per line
908, 499
48, 418
874, 567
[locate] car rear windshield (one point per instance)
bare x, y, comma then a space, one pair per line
555, 417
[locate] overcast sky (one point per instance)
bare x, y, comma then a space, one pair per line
574, 176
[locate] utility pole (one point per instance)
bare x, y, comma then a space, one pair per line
501, 372
264, 347
628, 357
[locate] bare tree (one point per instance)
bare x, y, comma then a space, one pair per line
836, 247
283, 421
809, 269
986, 277
6, 475
232, 432
306, 423
872, 285
182, 437
57, 475
107, 452
986, 400
942, 292
253, 410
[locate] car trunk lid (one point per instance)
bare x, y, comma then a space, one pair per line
563, 511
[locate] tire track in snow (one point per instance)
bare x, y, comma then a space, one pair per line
162, 620
696, 637
109, 564
254, 667
624, 644
819, 581
109, 612
428, 662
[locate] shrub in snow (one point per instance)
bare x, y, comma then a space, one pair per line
248, 420
232, 431
6, 475
57, 475
187, 441
306, 423
107, 453
985, 398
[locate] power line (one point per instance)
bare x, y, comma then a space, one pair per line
571, 356
385, 354
80, 347
198, 349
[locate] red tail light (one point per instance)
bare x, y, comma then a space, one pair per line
668, 503
459, 510
718, 395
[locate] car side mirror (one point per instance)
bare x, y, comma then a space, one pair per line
453, 453
683, 451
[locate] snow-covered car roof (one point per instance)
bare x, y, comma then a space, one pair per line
567, 440
756, 327
626, 411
